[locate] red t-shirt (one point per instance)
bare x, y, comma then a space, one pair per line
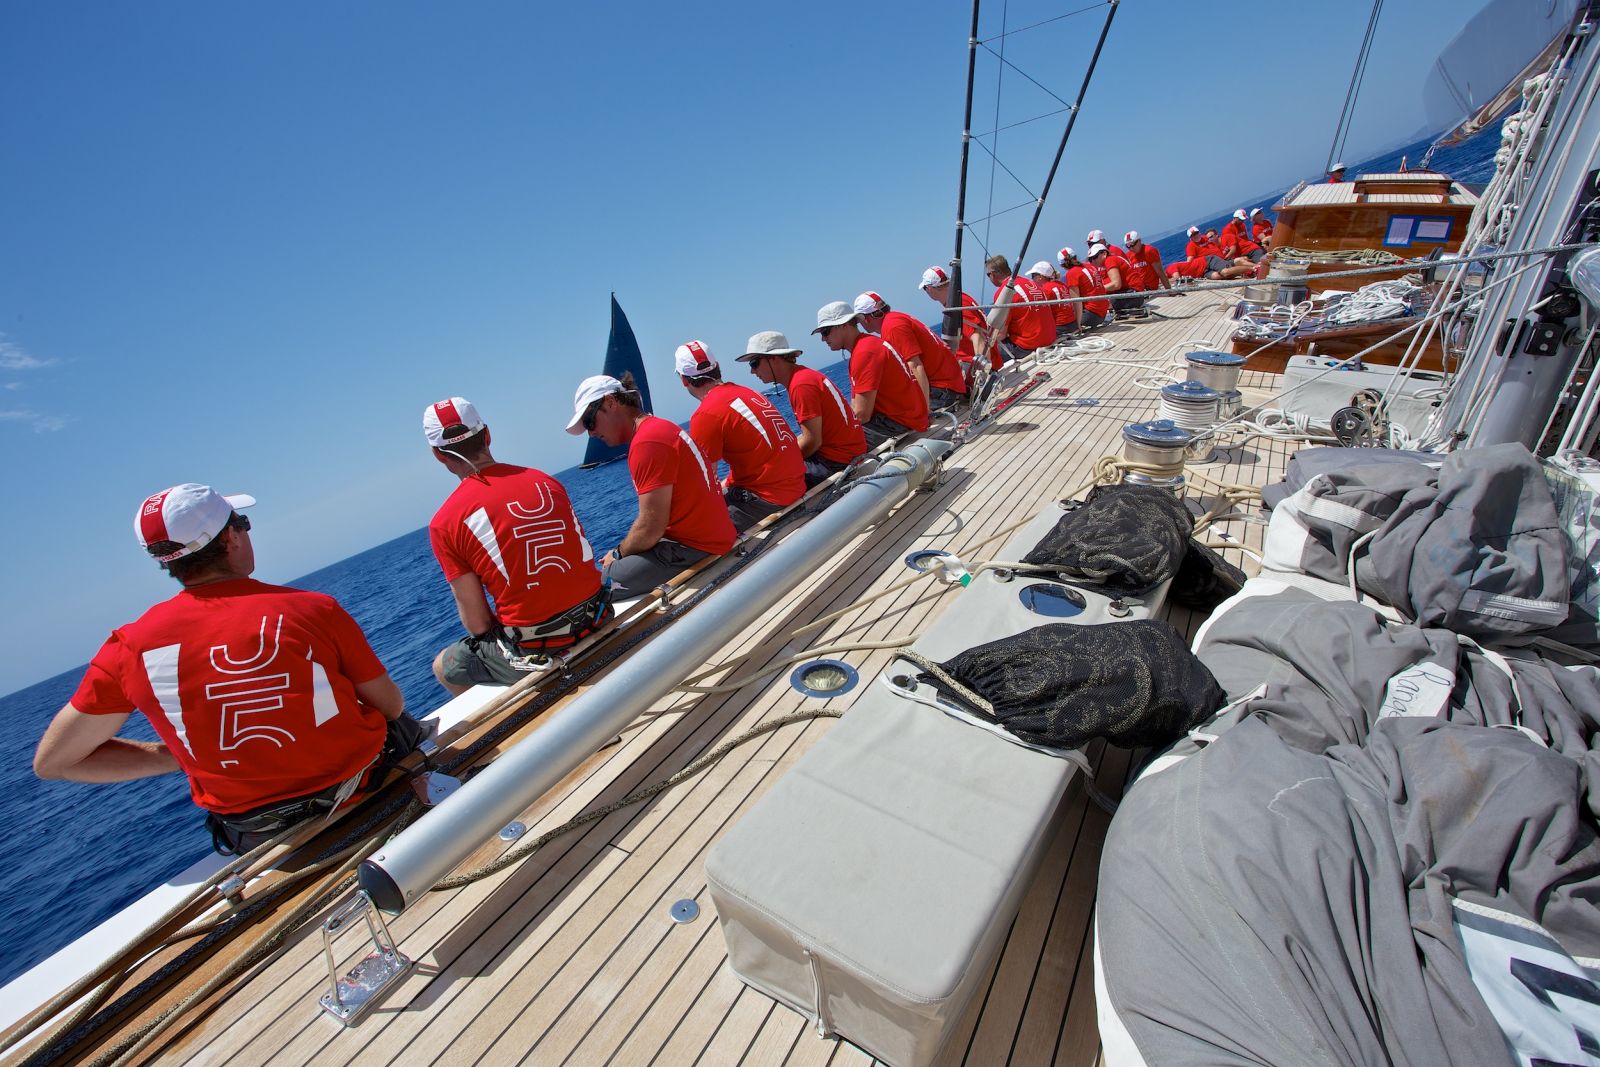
1260, 230
972, 321
1082, 278
814, 396
1236, 234
1065, 314
738, 424
908, 335
1118, 262
514, 528
876, 366
251, 686
1029, 323
1189, 268
1144, 269
663, 454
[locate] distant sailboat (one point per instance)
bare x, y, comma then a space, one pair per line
622, 355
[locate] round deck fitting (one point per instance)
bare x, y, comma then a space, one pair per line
685, 911
923, 560
823, 678
1052, 600
512, 831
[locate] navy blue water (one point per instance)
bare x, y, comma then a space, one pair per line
78, 853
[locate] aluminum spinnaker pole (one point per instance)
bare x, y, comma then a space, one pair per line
1072, 119
410, 864
953, 313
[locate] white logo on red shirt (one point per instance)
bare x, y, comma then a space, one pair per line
246, 702
536, 531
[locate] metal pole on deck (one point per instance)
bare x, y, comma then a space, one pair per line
414, 861
1072, 118
952, 315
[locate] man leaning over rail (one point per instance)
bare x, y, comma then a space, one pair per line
268, 698
682, 518
508, 532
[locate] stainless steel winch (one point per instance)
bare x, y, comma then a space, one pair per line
1160, 444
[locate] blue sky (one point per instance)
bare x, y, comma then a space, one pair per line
244, 244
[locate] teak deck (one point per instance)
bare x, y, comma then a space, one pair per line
571, 956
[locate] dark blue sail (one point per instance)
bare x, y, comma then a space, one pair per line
622, 356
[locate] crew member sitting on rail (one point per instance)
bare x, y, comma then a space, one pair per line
1260, 227
1145, 273
268, 698
505, 532
1098, 237
922, 351
1080, 282
830, 433
766, 470
883, 394
1066, 315
975, 340
1236, 241
1193, 265
682, 518
1029, 323
1111, 272
1335, 174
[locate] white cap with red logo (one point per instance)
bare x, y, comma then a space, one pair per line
934, 276
693, 358
1066, 253
1192, 230
869, 303
184, 519
1096, 237
1131, 237
450, 421
591, 389
1239, 214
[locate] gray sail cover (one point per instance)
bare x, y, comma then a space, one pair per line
1384, 852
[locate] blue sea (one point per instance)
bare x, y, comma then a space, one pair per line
79, 853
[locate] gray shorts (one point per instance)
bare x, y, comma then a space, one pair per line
1256, 256
746, 509
880, 428
939, 398
819, 470
1217, 263
636, 575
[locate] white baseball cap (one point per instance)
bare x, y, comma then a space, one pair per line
590, 390
1096, 237
694, 358
1044, 268
1336, 166
835, 314
184, 519
1095, 250
767, 343
869, 303
1192, 230
1131, 237
1239, 214
934, 276
1067, 252
1255, 211
438, 420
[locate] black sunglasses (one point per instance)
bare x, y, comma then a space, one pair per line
589, 416
239, 522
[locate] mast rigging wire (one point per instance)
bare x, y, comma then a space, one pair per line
1341, 132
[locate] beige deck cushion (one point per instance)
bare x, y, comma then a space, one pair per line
873, 886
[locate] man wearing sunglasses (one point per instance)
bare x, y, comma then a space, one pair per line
830, 434
268, 698
885, 396
682, 517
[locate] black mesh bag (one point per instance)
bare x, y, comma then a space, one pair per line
1122, 538
1135, 684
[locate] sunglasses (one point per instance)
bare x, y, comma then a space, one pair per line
240, 522
590, 415
825, 331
